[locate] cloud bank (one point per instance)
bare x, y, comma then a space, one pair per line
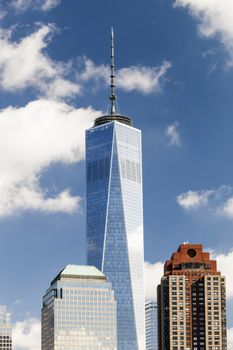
26, 335
217, 201
31, 139
193, 199
43, 5
24, 64
138, 78
153, 275
225, 263
214, 20
230, 339
143, 79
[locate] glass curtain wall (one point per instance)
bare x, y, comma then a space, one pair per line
115, 222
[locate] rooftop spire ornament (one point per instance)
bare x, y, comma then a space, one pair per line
112, 76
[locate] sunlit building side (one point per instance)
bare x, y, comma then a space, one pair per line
79, 311
114, 208
151, 325
5, 329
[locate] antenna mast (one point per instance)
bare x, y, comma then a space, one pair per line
112, 76
112, 113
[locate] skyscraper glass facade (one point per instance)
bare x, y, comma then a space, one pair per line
5, 329
79, 311
151, 325
115, 222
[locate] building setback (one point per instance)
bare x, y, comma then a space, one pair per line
191, 302
151, 325
5, 329
79, 311
114, 212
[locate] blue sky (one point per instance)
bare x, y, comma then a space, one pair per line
175, 79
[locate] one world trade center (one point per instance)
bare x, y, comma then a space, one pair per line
114, 209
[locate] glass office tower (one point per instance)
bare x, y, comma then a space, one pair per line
5, 329
115, 220
115, 215
151, 325
79, 311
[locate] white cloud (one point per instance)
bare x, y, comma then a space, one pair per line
24, 64
227, 208
141, 78
218, 201
173, 135
18, 198
26, 335
49, 4
135, 78
214, 18
225, 263
3, 12
31, 139
153, 275
21, 5
230, 339
91, 71
60, 89
193, 199
44, 5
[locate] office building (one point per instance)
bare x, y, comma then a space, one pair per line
5, 329
151, 325
115, 216
79, 311
191, 302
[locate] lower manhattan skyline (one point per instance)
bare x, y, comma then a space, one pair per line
174, 77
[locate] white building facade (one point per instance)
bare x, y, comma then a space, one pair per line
5, 329
151, 325
79, 311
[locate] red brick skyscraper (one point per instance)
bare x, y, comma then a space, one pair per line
191, 302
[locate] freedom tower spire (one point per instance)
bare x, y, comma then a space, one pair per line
113, 115
114, 215
112, 86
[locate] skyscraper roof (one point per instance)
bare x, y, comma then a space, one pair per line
79, 271
82, 270
190, 256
